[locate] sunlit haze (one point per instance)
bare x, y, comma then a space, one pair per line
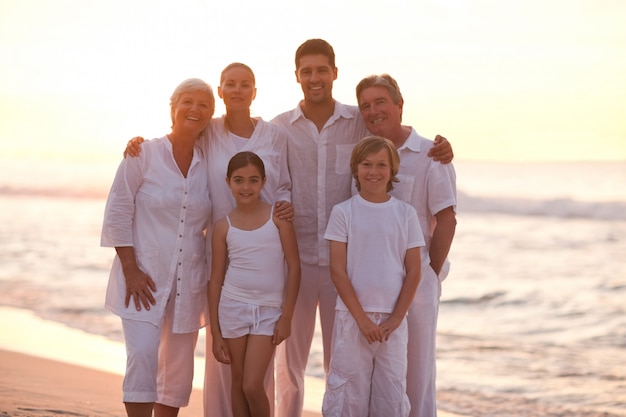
503, 80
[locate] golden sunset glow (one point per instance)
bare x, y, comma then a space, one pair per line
509, 80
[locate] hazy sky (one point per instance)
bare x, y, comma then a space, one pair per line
528, 79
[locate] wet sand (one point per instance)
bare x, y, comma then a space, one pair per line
47, 369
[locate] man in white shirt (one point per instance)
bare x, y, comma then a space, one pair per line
322, 133
430, 187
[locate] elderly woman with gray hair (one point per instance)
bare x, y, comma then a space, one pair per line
156, 218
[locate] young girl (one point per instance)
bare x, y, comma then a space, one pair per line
375, 244
251, 296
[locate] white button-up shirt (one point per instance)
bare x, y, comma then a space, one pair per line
319, 163
427, 185
163, 216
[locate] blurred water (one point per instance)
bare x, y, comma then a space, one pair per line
532, 320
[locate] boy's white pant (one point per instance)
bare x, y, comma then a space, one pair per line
316, 289
422, 328
366, 379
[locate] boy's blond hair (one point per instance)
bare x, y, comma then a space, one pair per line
374, 144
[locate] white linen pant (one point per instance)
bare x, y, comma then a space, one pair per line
316, 289
366, 380
159, 363
422, 327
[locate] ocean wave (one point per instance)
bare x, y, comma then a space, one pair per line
562, 207
482, 299
471, 401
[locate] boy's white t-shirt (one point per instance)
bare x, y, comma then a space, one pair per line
378, 236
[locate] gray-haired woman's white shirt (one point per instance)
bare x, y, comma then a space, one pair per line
163, 216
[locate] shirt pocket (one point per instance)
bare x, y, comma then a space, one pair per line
403, 189
342, 160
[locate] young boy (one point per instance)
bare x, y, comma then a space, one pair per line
375, 266
430, 187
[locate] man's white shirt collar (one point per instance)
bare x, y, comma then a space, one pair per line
413, 142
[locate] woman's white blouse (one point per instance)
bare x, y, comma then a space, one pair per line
163, 216
269, 142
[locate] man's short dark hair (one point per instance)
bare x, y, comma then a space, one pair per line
316, 47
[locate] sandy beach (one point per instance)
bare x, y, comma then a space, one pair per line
47, 369
32, 386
